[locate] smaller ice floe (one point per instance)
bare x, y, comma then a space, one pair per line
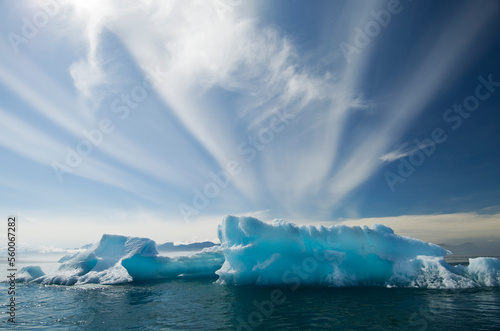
29, 273
485, 271
119, 259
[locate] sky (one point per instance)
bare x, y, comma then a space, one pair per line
158, 118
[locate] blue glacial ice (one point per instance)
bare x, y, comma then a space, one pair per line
119, 259
29, 273
281, 253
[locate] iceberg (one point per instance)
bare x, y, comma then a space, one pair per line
282, 253
252, 252
29, 273
119, 259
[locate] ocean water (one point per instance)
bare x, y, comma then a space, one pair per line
201, 304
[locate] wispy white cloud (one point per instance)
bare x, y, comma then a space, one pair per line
45, 96
403, 151
26, 140
223, 77
198, 50
419, 84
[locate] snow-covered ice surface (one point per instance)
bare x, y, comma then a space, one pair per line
281, 253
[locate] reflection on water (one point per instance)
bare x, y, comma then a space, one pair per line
203, 305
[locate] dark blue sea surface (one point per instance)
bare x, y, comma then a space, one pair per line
189, 304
